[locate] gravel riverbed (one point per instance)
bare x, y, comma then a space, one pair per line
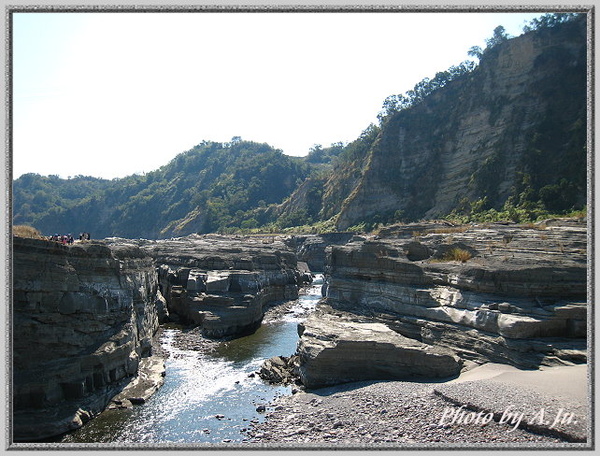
381, 414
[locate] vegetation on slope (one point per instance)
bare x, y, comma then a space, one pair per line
26, 231
208, 188
549, 176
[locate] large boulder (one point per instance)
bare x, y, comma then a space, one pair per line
280, 369
311, 248
334, 348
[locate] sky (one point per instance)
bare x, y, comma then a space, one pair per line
112, 94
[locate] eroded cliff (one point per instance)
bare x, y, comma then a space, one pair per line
83, 318
523, 290
222, 284
514, 127
84, 315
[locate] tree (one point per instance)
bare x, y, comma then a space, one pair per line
316, 154
422, 89
475, 51
549, 20
498, 37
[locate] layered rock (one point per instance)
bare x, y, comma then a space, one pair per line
223, 284
83, 319
519, 299
311, 248
336, 348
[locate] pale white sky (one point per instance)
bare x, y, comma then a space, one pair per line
112, 94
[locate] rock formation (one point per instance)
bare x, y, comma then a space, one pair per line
84, 315
417, 301
280, 370
311, 249
336, 348
518, 296
83, 319
222, 284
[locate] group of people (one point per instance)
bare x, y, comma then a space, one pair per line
68, 238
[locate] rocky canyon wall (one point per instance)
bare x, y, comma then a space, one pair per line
500, 293
83, 317
223, 284
503, 293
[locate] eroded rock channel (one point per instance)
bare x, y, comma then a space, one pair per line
85, 316
420, 303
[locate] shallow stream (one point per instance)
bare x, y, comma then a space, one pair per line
207, 398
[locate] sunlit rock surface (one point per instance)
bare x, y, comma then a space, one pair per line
336, 348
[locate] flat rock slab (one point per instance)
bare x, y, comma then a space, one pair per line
551, 401
150, 378
335, 349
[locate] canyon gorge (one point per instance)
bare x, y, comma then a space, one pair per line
396, 305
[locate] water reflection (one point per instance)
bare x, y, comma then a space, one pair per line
269, 340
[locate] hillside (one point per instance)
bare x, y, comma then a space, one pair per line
502, 139
208, 188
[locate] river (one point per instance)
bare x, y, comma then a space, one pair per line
207, 398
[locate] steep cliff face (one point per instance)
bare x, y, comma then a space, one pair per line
83, 318
521, 112
84, 315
